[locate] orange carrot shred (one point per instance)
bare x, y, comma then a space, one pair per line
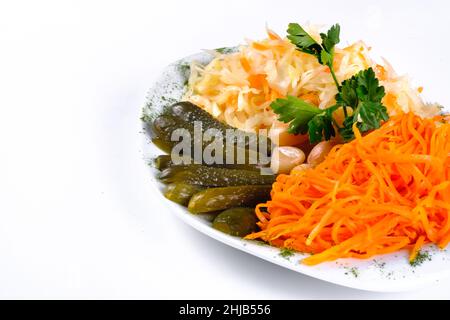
272, 35
259, 46
245, 64
416, 249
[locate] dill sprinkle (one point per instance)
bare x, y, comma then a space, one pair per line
353, 271
420, 258
286, 253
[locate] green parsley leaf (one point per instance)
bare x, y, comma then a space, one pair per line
347, 96
346, 131
326, 58
303, 40
368, 86
320, 127
330, 40
363, 94
295, 111
371, 113
305, 118
305, 43
324, 52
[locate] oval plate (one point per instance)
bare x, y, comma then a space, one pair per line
387, 273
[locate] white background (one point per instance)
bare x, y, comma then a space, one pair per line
77, 215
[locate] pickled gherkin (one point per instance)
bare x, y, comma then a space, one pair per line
236, 221
183, 115
188, 112
161, 131
215, 199
214, 177
165, 161
181, 193
162, 162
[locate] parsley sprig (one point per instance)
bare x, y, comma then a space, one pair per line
324, 52
362, 93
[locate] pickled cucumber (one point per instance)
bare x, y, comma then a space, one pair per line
215, 199
214, 177
181, 193
182, 115
236, 221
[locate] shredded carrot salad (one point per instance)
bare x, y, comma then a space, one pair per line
380, 193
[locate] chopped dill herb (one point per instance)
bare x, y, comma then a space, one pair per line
421, 257
379, 264
146, 118
225, 50
184, 67
286, 253
353, 271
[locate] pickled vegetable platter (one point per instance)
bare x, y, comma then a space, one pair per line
262, 170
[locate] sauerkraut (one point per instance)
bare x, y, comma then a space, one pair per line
237, 88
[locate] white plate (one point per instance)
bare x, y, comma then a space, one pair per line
387, 273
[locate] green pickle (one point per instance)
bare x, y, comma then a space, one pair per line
236, 221
215, 199
187, 112
161, 131
182, 115
162, 162
214, 177
181, 193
